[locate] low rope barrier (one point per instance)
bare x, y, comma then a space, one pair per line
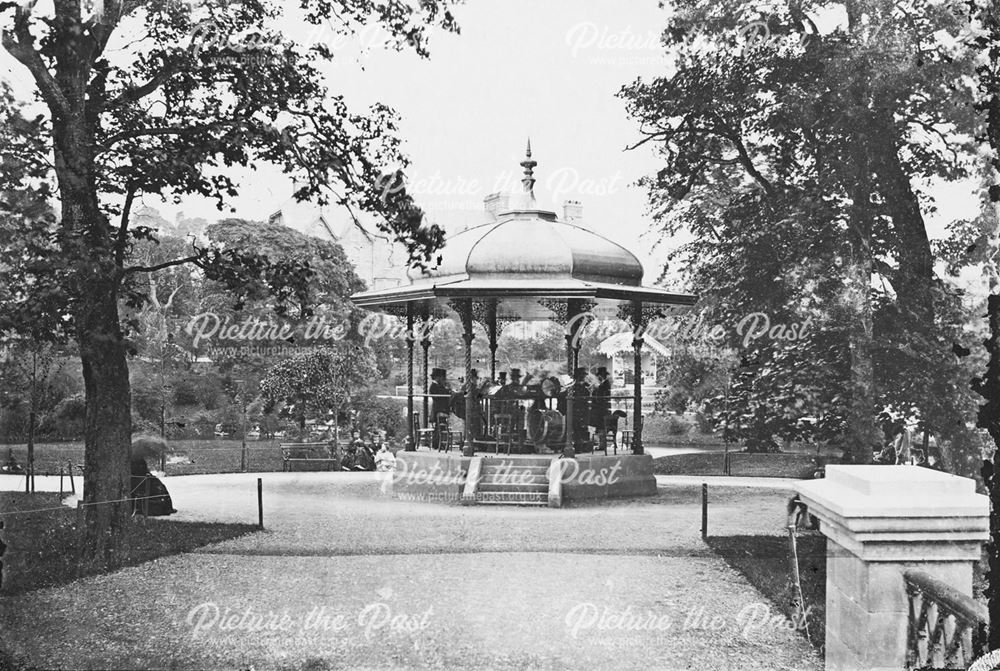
145, 480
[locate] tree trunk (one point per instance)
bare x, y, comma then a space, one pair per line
108, 426
860, 433
86, 241
29, 481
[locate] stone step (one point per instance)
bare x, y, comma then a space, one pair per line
518, 463
503, 480
512, 487
506, 484
514, 470
513, 498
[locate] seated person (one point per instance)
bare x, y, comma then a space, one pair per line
365, 458
887, 455
552, 396
350, 458
474, 387
384, 459
546, 419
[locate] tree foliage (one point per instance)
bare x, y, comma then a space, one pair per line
796, 154
318, 382
166, 98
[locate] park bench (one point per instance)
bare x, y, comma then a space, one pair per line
307, 457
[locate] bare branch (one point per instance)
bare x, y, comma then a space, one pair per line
22, 47
161, 266
138, 92
123, 226
168, 130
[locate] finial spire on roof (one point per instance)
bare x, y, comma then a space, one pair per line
529, 176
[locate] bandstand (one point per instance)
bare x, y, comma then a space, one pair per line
526, 265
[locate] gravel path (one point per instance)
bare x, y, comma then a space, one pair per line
353, 580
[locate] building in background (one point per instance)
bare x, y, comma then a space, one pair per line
378, 261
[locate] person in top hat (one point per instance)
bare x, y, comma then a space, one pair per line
600, 406
581, 407
473, 386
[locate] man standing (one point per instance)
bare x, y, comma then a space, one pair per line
600, 407
581, 409
440, 402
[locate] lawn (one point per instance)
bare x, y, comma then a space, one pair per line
499, 584
696, 463
209, 456
766, 562
42, 547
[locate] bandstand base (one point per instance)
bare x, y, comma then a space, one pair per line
541, 480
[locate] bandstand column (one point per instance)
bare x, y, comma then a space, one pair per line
425, 343
468, 335
573, 308
491, 329
637, 342
411, 439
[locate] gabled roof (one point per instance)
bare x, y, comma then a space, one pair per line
621, 343
320, 221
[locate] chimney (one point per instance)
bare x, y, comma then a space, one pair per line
494, 204
572, 212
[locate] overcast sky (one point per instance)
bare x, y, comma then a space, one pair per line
519, 68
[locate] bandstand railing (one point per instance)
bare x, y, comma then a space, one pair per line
422, 425
945, 628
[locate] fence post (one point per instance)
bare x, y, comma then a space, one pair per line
3, 549
72, 485
60, 481
704, 510
260, 504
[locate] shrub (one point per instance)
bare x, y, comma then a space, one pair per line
704, 423
385, 414
677, 426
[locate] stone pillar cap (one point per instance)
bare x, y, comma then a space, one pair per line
899, 513
894, 491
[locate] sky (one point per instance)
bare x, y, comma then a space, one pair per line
520, 68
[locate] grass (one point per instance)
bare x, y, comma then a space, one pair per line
700, 463
209, 456
499, 582
43, 547
765, 561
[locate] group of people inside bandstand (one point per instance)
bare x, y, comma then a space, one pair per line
536, 411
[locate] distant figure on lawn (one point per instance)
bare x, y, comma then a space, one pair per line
149, 495
11, 465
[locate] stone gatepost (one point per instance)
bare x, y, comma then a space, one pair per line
880, 521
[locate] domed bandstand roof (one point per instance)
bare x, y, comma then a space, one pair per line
522, 262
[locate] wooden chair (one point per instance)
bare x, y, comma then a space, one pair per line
422, 437
628, 436
442, 429
610, 430
502, 431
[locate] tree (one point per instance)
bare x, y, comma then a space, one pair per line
321, 381
31, 365
792, 156
168, 114
985, 14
